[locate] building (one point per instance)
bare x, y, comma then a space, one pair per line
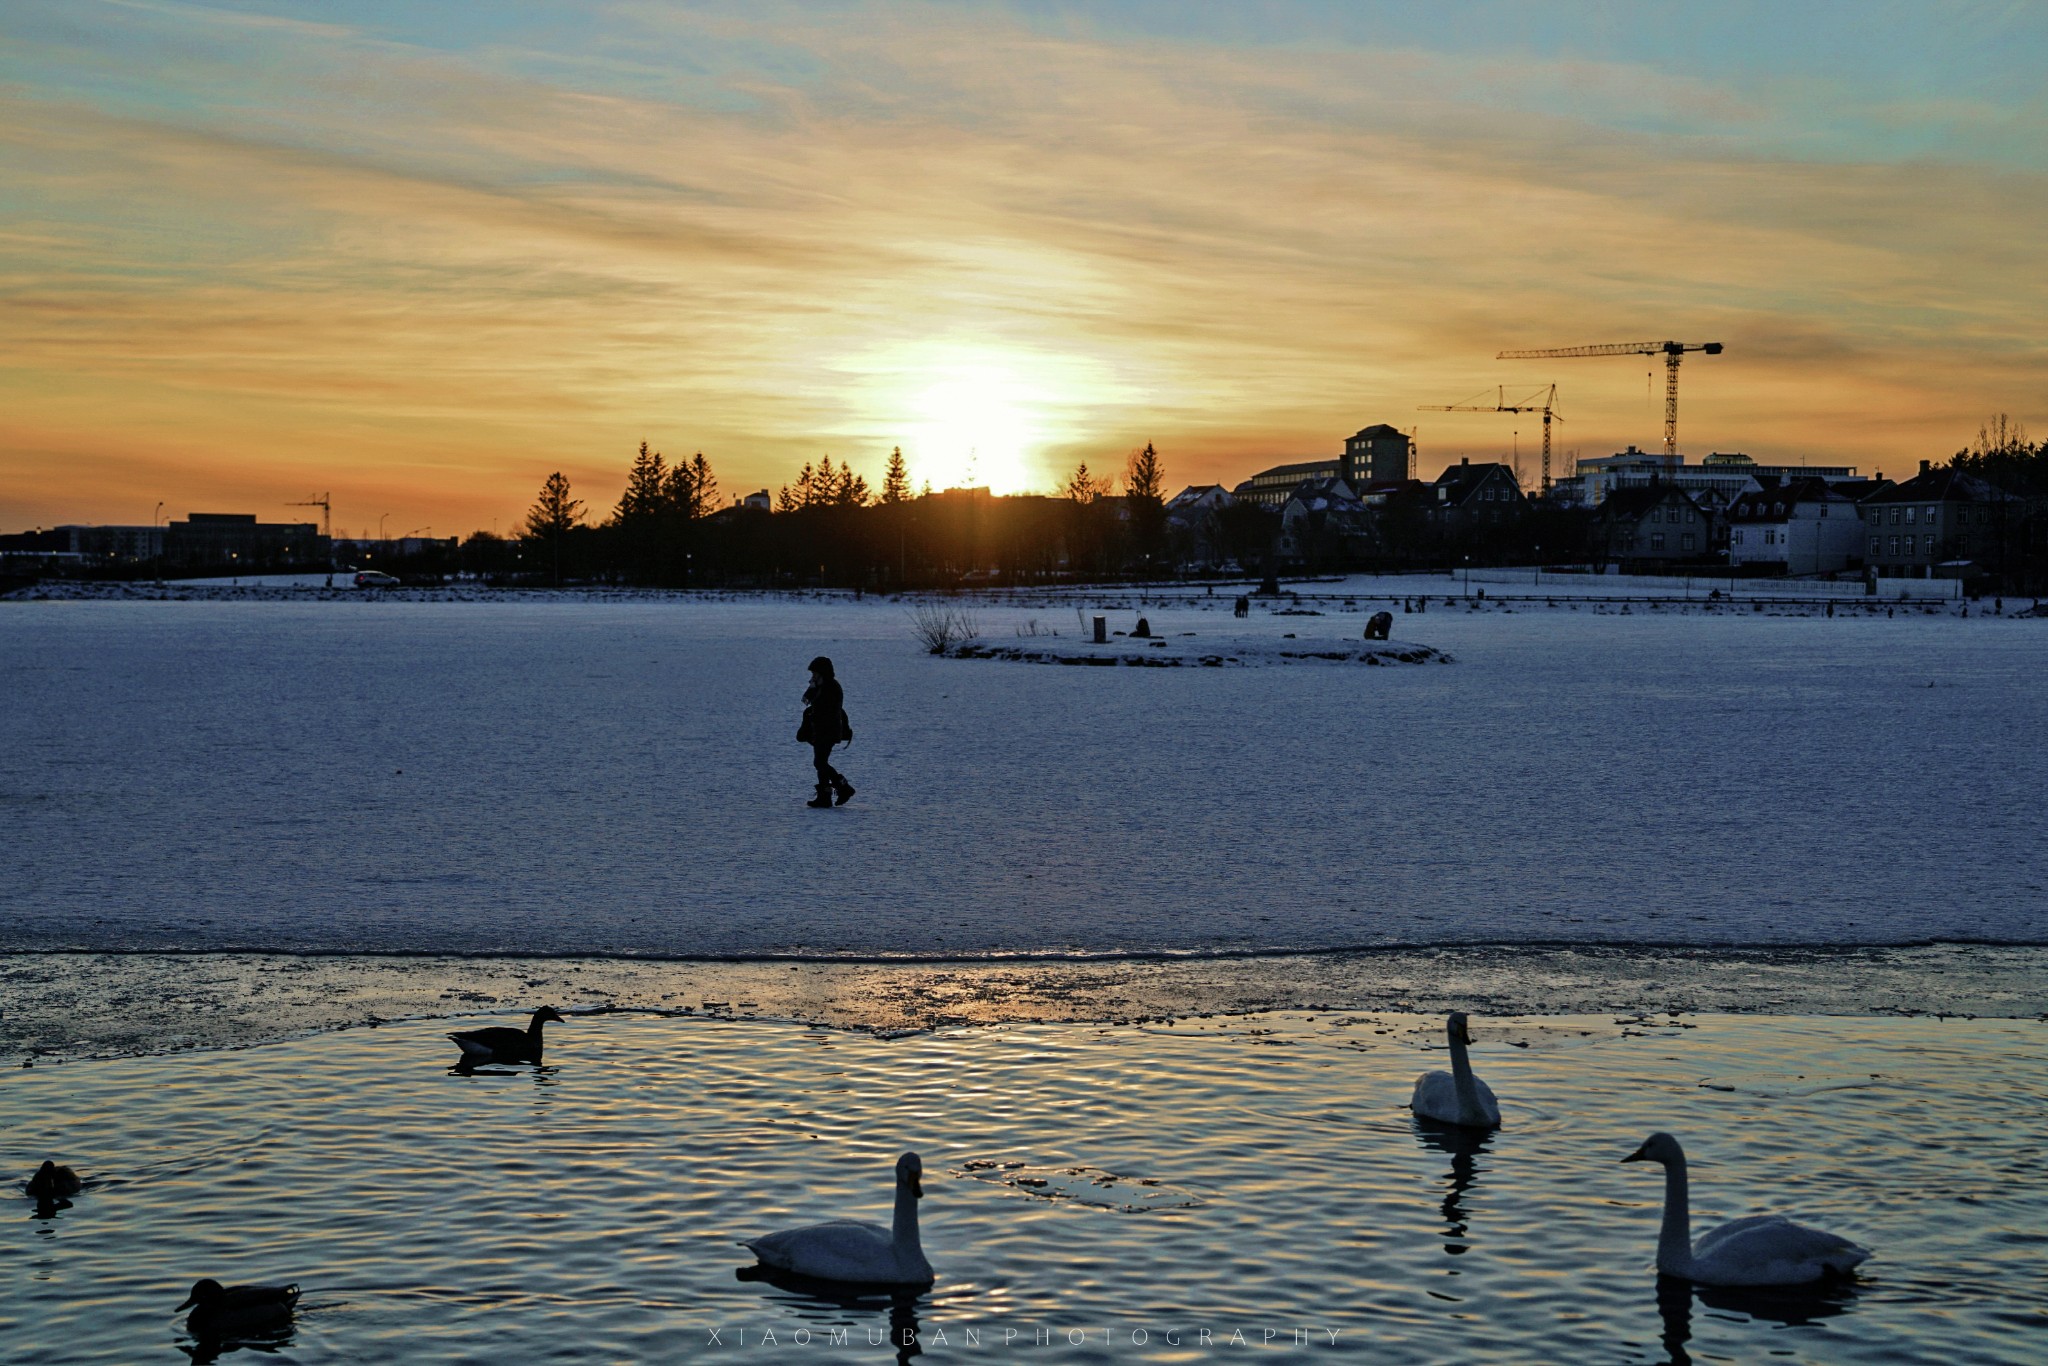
1467, 496
1271, 487
1721, 477
1378, 452
1323, 523
1194, 525
236, 540
1802, 526
1651, 529
89, 545
1941, 522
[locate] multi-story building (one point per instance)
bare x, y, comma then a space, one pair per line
1272, 487
1941, 521
1802, 526
1467, 495
1371, 454
1720, 478
1653, 528
1378, 452
237, 540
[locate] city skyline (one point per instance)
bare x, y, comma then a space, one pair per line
258, 252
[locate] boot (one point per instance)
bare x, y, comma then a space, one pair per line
824, 797
844, 789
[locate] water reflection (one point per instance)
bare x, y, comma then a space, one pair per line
860, 1307
271, 1340
1464, 1147
1787, 1306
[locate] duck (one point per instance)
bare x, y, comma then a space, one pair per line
1761, 1250
851, 1251
502, 1043
1456, 1097
52, 1182
225, 1310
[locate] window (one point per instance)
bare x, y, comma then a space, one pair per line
1656, 540
1777, 509
1770, 537
1930, 516
1876, 546
1736, 536
1656, 514
1909, 546
1685, 541
1895, 543
1897, 513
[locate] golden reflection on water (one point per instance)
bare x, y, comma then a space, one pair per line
1229, 1175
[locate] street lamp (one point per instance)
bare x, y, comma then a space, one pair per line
156, 541
1468, 576
1539, 563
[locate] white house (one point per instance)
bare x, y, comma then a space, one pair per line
1802, 526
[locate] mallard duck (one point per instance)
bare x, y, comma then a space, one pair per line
1456, 1097
502, 1043
1763, 1249
849, 1250
224, 1310
52, 1182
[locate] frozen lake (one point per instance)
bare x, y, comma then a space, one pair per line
542, 776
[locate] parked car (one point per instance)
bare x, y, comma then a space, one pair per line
375, 578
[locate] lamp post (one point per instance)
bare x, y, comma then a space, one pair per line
1539, 564
156, 541
1468, 576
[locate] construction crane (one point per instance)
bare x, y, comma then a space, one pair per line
326, 506
1500, 404
1669, 350
325, 502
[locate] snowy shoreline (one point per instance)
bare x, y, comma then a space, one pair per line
97, 1004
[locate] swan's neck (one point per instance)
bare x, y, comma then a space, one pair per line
1462, 1083
1674, 1239
904, 1228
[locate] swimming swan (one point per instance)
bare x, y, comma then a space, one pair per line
1456, 1097
846, 1250
501, 1043
1764, 1249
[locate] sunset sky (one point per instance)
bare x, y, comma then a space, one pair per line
423, 255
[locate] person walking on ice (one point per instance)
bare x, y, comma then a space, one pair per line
824, 726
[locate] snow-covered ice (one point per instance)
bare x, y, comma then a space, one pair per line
569, 776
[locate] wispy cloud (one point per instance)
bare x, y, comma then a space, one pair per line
429, 266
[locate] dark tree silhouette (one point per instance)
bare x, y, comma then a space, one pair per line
1145, 503
896, 480
552, 517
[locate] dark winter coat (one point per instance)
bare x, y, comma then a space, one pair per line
824, 714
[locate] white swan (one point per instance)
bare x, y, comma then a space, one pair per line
847, 1250
1764, 1249
1456, 1097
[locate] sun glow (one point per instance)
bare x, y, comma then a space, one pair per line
976, 425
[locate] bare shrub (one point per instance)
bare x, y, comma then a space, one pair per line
939, 626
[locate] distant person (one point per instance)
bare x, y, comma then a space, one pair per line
824, 726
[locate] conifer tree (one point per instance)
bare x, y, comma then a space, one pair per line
896, 480
703, 487
646, 489
851, 490
1144, 496
552, 517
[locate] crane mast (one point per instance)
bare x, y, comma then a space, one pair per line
1671, 351
1501, 405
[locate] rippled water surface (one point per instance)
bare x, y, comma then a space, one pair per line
1100, 1187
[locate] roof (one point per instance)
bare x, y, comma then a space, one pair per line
1634, 502
1944, 485
1326, 495
1379, 431
1775, 504
1461, 479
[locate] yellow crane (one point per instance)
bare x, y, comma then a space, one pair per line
1669, 350
1500, 404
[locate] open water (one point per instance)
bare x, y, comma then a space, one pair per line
1093, 1194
